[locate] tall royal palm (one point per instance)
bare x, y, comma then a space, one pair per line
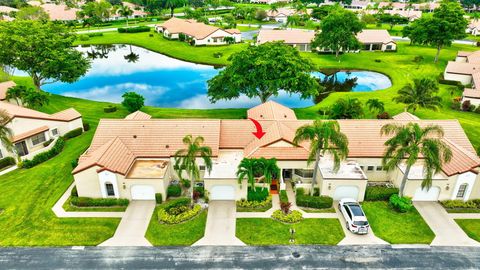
408, 143
5, 132
270, 169
422, 93
325, 137
125, 11
186, 159
246, 170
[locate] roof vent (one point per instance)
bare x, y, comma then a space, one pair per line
134, 136
167, 146
285, 116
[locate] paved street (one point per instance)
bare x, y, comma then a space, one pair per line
283, 257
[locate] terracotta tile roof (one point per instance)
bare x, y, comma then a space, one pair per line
233, 31
60, 12
189, 27
4, 88
461, 160
19, 111
29, 133
138, 115
463, 53
410, 14
471, 93
405, 116
293, 36
137, 10
281, 12
462, 68
271, 111
7, 9
374, 36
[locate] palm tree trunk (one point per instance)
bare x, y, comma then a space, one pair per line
404, 180
315, 171
192, 183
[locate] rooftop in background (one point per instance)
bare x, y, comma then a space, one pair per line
374, 36
19, 111
60, 12
191, 27
293, 36
4, 86
148, 168
6, 9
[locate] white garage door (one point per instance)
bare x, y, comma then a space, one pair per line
343, 192
424, 195
222, 193
143, 192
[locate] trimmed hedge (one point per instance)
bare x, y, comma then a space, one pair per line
86, 126
401, 204
110, 109
96, 34
457, 204
283, 196
259, 195
47, 143
42, 157
6, 161
165, 217
89, 202
74, 192
174, 191
379, 193
73, 133
292, 217
255, 204
137, 29
158, 198
318, 202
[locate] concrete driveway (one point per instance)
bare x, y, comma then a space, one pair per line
447, 232
134, 224
356, 239
220, 228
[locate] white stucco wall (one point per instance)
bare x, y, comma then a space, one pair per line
464, 79
464, 178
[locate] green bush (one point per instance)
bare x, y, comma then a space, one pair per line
200, 190
460, 204
47, 143
259, 194
401, 204
74, 192
96, 34
300, 192
185, 182
110, 109
318, 202
316, 191
292, 217
94, 202
74, 163
137, 29
83, 37
167, 218
174, 191
176, 203
86, 126
73, 133
158, 198
283, 196
379, 193
255, 204
42, 157
6, 161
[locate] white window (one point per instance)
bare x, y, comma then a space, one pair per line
55, 132
461, 191
109, 189
39, 138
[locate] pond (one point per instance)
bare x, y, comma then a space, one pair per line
172, 83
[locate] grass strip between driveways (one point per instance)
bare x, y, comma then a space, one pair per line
183, 234
266, 231
471, 227
395, 227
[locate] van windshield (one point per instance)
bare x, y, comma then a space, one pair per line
360, 223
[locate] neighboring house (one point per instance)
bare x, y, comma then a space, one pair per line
473, 28
197, 33
281, 15
358, 5
60, 12
296, 38
4, 86
376, 40
412, 15
31, 129
138, 12
269, 2
426, 7
466, 69
133, 158
5, 12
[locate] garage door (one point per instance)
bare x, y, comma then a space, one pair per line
424, 195
143, 192
223, 193
343, 192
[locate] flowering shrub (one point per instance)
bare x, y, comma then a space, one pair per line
167, 218
292, 217
255, 204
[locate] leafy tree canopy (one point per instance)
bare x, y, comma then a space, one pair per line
262, 71
32, 13
43, 50
350, 108
133, 101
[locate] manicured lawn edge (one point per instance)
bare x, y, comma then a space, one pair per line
471, 227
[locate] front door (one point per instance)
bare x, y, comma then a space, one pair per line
21, 148
274, 187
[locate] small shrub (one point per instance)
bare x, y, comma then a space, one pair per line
459, 204
96, 34
196, 195
285, 207
158, 198
6, 161
254, 204
73, 133
418, 59
379, 193
176, 203
185, 182
137, 29
42, 157
378, 60
466, 105
283, 196
300, 191
174, 191
259, 194
188, 213
401, 204
110, 109
74, 163
316, 191
47, 143
86, 126
218, 55
477, 109
383, 115
292, 217
456, 105
83, 37
200, 190
74, 192
178, 210
94, 202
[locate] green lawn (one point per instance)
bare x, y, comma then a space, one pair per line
471, 227
28, 196
397, 228
266, 231
183, 234
313, 210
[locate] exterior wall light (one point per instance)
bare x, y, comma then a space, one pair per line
329, 186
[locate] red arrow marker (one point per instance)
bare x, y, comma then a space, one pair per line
259, 133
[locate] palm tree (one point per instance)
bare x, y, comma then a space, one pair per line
293, 20
270, 169
324, 137
125, 11
131, 57
274, 7
246, 170
16, 93
375, 105
5, 132
410, 141
172, 4
186, 159
420, 94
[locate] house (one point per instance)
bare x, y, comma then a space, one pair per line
138, 12
31, 129
269, 2
5, 12
197, 33
412, 15
473, 28
466, 70
60, 12
356, 5
296, 38
281, 15
376, 40
4, 86
133, 157
426, 7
